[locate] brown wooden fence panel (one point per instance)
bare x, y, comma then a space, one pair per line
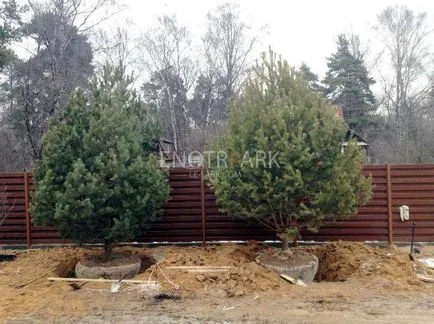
181, 220
12, 202
413, 185
370, 224
185, 220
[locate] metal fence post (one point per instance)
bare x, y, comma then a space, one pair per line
27, 212
389, 205
203, 206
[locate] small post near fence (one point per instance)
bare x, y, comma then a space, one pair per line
389, 205
27, 210
203, 207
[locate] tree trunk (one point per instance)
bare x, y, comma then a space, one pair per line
285, 243
108, 248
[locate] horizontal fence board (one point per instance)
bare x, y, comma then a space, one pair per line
412, 185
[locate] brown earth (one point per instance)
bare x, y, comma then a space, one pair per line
340, 261
293, 258
367, 271
244, 277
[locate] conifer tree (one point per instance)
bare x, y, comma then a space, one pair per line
347, 83
310, 78
97, 180
284, 166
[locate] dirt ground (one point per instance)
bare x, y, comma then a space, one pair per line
355, 283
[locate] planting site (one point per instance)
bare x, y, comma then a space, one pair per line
219, 161
217, 284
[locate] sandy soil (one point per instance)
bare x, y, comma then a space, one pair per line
370, 285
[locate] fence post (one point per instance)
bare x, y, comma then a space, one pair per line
27, 212
203, 207
389, 204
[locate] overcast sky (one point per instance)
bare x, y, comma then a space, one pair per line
301, 30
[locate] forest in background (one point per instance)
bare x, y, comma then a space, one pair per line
190, 89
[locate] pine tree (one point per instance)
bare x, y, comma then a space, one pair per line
97, 181
348, 84
310, 78
10, 21
304, 179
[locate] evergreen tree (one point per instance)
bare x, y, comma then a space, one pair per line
347, 83
310, 78
97, 181
10, 29
284, 163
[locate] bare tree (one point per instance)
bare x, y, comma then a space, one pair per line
84, 15
227, 47
114, 46
167, 59
61, 60
11, 157
405, 92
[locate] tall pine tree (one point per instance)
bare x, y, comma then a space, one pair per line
347, 83
284, 166
97, 181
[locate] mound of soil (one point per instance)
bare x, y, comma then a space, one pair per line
373, 269
280, 258
45, 298
340, 261
244, 277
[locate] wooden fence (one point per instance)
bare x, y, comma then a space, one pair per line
192, 213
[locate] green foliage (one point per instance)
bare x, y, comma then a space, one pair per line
310, 180
10, 21
311, 78
348, 84
97, 180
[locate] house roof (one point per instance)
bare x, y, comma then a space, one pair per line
353, 135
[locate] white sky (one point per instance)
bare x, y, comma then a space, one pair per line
301, 30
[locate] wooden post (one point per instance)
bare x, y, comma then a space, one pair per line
27, 211
389, 204
203, 207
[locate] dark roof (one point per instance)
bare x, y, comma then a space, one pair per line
352, 134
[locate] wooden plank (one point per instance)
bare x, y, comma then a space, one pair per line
11, 175
419, 172
13, 235
133, 281
413, 180
5, 182
206, 270
413, 166
197, 267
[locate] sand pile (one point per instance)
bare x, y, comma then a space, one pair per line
244, 276
339, 261
39, 296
